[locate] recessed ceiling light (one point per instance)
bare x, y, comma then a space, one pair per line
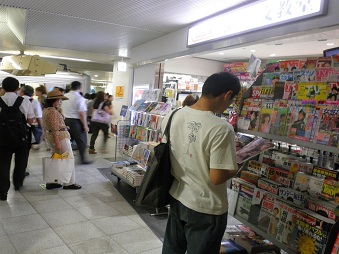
252, 50
272, 54
330, 44
95, 75
221, 53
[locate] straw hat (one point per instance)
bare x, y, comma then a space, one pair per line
55, 95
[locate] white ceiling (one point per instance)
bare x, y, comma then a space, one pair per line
97, 30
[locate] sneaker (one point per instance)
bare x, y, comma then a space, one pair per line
92, 151
72, 187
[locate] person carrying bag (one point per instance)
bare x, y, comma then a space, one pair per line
101, 118
57, 172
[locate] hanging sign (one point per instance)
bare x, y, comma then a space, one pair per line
254, 16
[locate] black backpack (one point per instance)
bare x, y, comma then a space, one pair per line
13, 127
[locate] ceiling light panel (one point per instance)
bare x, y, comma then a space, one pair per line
161, 16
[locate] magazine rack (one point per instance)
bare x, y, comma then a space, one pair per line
261, 82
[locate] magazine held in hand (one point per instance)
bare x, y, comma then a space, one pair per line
253, 149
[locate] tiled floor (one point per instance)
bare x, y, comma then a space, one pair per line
95, 219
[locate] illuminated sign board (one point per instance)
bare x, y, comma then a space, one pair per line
252, 17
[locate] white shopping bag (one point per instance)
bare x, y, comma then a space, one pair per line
57, 170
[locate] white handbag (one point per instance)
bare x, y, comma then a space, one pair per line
57, 170
99, 115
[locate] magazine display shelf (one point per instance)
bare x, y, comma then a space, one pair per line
265, 235
307, 144
121, 177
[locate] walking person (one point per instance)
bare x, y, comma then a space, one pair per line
57, 134
75, 112
19, 149
203, 158
99, 103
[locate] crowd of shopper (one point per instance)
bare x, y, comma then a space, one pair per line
59, 117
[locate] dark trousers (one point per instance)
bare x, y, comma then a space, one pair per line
191, 231
37, 132
96, 127
78, 134
5, 166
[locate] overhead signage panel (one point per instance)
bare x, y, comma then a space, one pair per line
255, 16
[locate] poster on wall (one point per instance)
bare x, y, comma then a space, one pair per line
119, 92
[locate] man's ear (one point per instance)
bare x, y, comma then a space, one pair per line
228, 95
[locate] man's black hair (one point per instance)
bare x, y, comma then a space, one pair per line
75, 85
220, 83
92, 96
10, 84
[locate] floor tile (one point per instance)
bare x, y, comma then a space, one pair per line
34, 241
140, 240
153, 251
65, 217
98, 211
78, 232
137, 219
99, 187
2, 231
116, 224
14, 210
84, 200
69, 193
123, 207
56, 204
39, 195
23, 223
56, 250
98, 245
87, 180
6, 245
109, 196
14, 198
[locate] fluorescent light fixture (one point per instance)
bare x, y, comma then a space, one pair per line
10, 52
122, 66
330, 44
221, 53
66, 58
263, 14
123, 52
95, 75
252, 50
272, 54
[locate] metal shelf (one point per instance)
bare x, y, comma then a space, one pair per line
330, 149
263, 234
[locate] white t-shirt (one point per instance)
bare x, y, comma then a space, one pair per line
200, 141
75, 104
25, 107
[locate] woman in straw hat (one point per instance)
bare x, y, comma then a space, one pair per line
56, 134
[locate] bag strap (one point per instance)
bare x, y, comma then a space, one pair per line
18, 102
2, 103
168, 126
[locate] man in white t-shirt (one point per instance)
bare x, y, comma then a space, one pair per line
75, 112
203, 158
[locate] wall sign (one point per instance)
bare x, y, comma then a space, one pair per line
254, 16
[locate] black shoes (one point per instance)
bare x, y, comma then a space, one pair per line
50, 186
26, 173
86, 162
17, 186
72, 187
3, 196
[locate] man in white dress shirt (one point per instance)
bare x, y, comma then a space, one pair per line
11, 86
75, 112
27, 92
